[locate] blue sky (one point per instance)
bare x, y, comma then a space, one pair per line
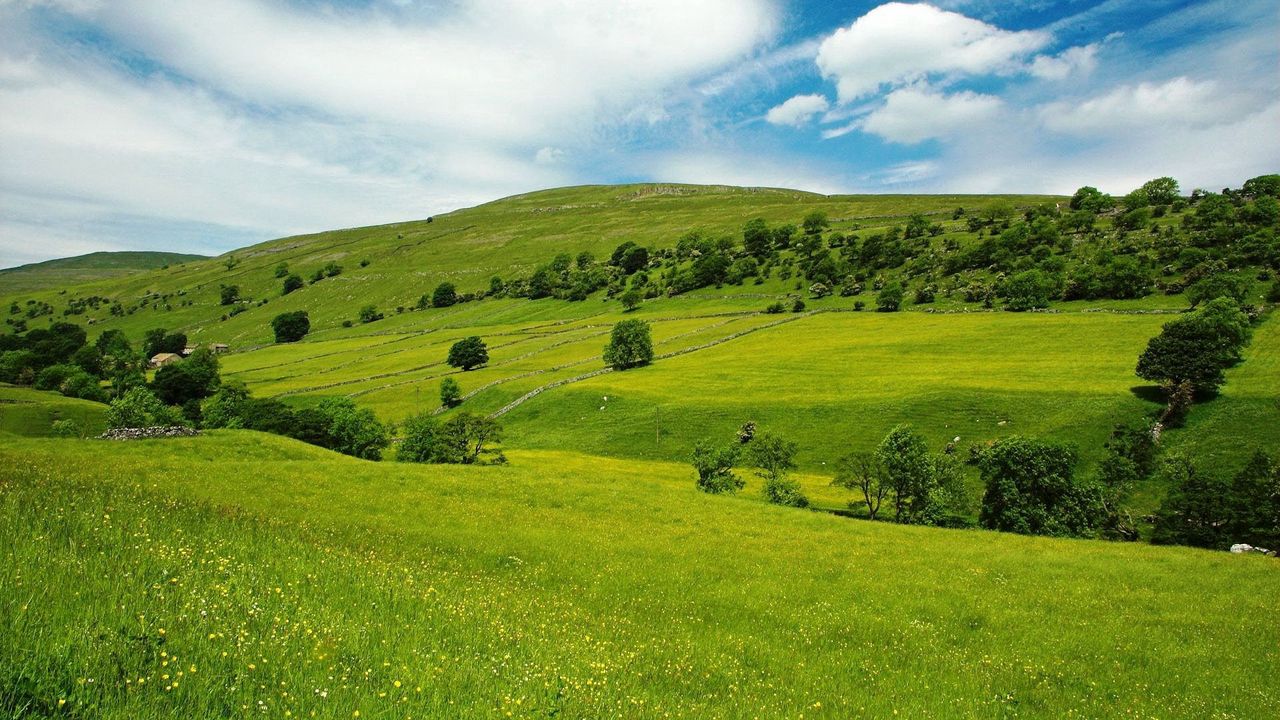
203, 126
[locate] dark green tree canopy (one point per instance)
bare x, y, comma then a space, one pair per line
1197, 347
444, 295
1031, 489
629, 345
291, 326
468, 353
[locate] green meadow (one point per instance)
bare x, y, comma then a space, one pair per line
243, 574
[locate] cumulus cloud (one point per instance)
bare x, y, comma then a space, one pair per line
915, 114
899, 43
798, 110
1180, 101
1075, 60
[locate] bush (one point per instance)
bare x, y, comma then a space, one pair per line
460, 439
630, 299
229, 294
1026, 291
138, 407
195, 378
715, 468
775, 308
351, 430
444, 295
784, 491
468, 353
889, 299
797, 306
291, 283
629, 345
450, 392
291, 326
369, 313
66, 428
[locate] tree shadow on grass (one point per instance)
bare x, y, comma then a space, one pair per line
1150, 393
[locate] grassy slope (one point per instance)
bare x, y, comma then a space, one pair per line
282, 578
467, 247
72, 271
30, 413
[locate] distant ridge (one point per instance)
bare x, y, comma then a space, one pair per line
87, 268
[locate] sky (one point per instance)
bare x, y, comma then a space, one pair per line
199, 126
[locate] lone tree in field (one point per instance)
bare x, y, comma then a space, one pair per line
1198, 347
468, 353
889, 299
291, 283
450, 392
291, 326
629, 345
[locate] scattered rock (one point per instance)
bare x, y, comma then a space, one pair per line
1246, 548
146, 433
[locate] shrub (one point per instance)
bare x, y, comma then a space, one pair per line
291, 326
139, 407
784, 491
66, 428
715, 468
291, 283
229, 294
351, 430
369, 313
444, 295
450, 392
630, 299
629, 345
889, 299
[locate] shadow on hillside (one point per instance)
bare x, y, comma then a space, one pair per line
1156, 394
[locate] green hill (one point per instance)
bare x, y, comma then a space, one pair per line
66, 272
240, 573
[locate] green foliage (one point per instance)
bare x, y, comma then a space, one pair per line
226, 408
291, 326
444, 295
462, 439
1218, 285
158, 341
863, 471
1031, 489
1197, 347
351, 430
1026, 291
229, 294
139, 407
1091, 200
629, 345
468, 353
292, 282
909, 472
889, 299
195, 378
369, 313
282, 270
1161, 191
66, 428
1205, 510
630, 299
450, 392
715, 468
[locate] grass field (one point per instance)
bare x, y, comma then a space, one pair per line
31, 413
244, 574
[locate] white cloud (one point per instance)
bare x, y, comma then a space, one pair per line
1180, 101
898, 43
915, 114
548, 155
797, 111
1075, 60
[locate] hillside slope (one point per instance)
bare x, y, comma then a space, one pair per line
64, 273
234, 572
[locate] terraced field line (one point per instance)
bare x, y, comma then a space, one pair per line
683, 351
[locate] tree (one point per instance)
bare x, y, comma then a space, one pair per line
229, 294
421, 439
463, 437
282, 270
291, 326
630, 299
369, 313
1161, 191
1090, 199
1027, 290
1031, 489
195, 378
715, 468
291, 283
775, 458
444, 295
815, 222
862, 471
157, 341
889, 299
1218, 285
909, 472
450, 392
1197, 347
226, 407
137, 408
635, 260
629, 345
1254, 504
756, 238
351, 430
1196, 510
468, 353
